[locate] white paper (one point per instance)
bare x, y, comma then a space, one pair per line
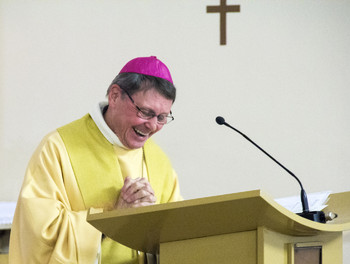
7, 211
317, 202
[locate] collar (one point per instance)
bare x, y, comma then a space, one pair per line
97, 115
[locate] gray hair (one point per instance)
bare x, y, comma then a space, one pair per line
135, 82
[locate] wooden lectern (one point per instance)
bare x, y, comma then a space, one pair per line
247, 227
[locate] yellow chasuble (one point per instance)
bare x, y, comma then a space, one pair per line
100, 169
73, 169
131, 162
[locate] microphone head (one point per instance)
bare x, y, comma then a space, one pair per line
220, 120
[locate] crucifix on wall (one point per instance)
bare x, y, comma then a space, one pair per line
223, 9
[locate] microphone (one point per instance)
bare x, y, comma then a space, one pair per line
317, 216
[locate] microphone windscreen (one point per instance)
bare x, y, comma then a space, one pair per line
220, 120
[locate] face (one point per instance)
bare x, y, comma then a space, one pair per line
122, 118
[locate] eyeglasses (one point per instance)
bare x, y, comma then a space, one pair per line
148, 114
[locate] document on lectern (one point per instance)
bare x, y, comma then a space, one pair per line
7, 211
317, 202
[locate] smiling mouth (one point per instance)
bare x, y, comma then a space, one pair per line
140, 133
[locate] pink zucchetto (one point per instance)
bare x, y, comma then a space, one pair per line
148, 66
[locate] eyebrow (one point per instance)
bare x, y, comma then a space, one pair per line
151, 110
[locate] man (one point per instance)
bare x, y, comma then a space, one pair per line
105, 159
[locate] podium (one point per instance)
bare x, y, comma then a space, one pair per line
247, 227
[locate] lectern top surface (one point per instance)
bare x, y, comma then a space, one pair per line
144, 228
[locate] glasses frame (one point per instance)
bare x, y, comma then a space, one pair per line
169, 118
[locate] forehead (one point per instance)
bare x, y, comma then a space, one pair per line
152, 99
165, 89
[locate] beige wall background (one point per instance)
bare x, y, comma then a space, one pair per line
283, 79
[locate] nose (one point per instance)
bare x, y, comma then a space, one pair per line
152, 124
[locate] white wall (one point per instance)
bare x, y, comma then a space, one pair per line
283, 79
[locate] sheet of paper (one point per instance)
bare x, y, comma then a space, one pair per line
7, 211
317, 201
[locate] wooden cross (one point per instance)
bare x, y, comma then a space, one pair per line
223, 9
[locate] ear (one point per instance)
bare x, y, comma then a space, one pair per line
114, 93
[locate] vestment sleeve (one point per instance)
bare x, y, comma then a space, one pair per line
50, 227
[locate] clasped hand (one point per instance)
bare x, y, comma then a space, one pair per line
136, 193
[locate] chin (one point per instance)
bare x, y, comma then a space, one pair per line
136, 145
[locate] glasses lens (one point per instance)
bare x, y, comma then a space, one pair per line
145, 114
162, 119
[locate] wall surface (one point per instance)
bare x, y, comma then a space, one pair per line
283, 79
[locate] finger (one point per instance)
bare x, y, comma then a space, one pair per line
121, 203
144, 202
139, 184
139, 194
149, 198
127, 183
147, 184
